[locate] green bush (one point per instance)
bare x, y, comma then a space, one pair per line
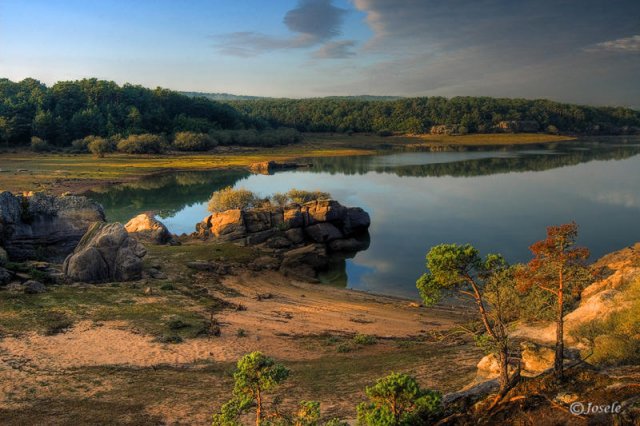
80, 145
39, 145
191, 141
143, 144
229, 198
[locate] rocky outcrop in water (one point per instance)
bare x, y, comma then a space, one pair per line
105, 253
322, 221
44, 226
301, 236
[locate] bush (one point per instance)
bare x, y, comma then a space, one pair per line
143, 144
99, 146
39, 145
229, 198
385, 133
299, 196
80, 145
364, 339
191, 141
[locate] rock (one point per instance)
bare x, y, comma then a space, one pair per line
323, 232
295, 235
279, 242
257, 220
34, 287
292, 217
4, 257
227, 225
5, 276
304, 262
44, 226
358, 220
105, 253
260, 237
324, 211
157, 274
15, 286
536, 358
488, 367
145, 227
349, 245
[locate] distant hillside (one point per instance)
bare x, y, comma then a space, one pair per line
230, 97
221, 96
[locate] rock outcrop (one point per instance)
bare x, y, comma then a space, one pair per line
302, 236
322, 221
44, 226
145, 227
105, 253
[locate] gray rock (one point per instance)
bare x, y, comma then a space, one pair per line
323, 232
105, 253
348, 245
44, 226
357, 221
4, 257
295, 235
34, 287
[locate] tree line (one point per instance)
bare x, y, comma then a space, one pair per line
74, 110
418, 115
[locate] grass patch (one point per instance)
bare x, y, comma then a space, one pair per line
364, 339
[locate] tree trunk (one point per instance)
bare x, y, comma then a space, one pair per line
558, 364
503, 359
258, 408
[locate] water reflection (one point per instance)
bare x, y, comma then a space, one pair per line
499, 200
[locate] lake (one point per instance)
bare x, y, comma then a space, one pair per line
499, 200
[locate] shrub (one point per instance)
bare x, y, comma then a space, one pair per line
300, 196
229, 198
142, 144
99, 146
385, 133
39, 145
80, 145
398, 400
364, 339
280, 199
191, 141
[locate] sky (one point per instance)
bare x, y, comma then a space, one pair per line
582, 51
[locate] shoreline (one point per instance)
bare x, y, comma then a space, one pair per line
58, 173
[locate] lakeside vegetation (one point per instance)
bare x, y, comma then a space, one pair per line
66, 114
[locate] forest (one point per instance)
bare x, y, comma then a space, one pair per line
68, 111
418, 115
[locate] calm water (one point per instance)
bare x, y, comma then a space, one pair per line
499, 201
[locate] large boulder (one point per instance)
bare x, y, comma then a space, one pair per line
304, 262
145, 227
227, 225
105, 253
44, 226
324, 211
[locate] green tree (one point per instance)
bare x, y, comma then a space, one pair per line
255, 376
559, 268
487, 282
191, 141
398, 400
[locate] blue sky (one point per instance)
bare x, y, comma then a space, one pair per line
585, 51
